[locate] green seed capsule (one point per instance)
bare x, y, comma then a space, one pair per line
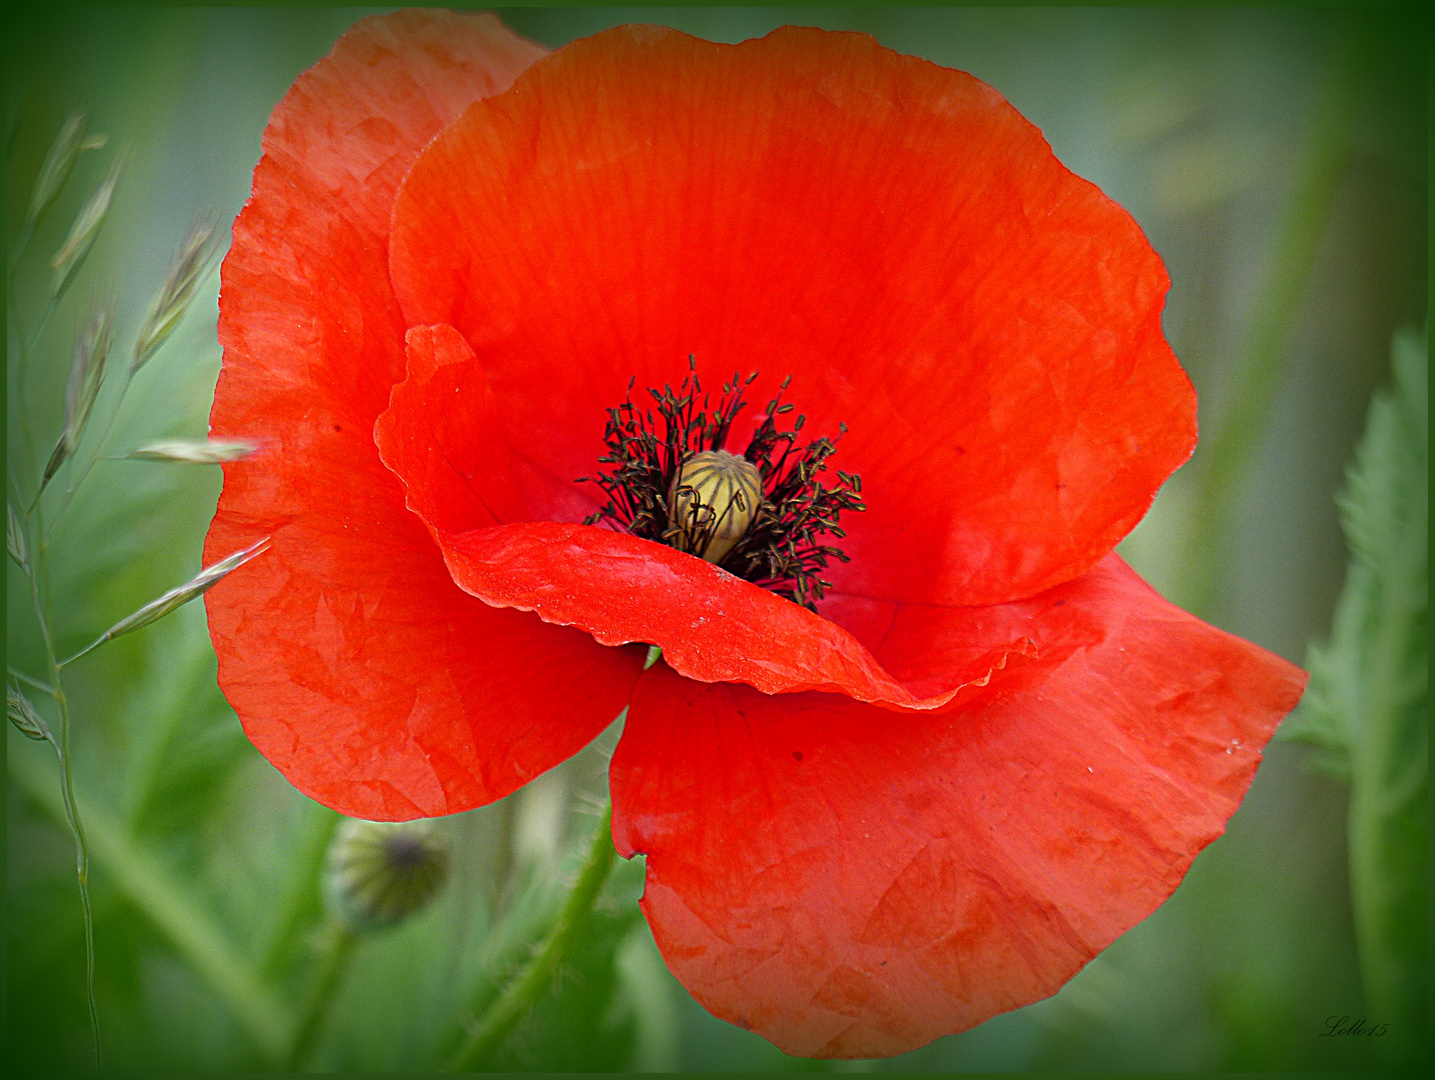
381, 872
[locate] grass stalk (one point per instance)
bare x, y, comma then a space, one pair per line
146, 884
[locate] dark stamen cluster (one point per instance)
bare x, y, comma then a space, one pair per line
782, 549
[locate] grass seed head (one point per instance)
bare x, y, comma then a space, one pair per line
15, 541
71, 256
87, 374
59, 162
23, 715
191, 265
195, 451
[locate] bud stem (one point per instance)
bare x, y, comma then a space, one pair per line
523, 993
339, 948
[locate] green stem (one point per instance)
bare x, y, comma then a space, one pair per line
91, 647
1225, 454
72, 812
43, 687
150, 888
45, 316
522, 994
82, 864
340, 948
502, 888
295, 903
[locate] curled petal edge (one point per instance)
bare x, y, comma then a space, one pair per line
712, 627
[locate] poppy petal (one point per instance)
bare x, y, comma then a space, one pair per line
436, 435
850, 882
620, 588
355, 664
711, 626
892, 234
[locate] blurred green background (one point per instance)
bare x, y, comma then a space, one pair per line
1261, 151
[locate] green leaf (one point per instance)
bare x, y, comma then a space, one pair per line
1369, 701
1319, 721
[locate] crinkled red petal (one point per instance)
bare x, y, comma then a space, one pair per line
852, 882
890, 233
356, 665
711, 626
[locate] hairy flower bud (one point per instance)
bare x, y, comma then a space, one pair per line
712, 502
381, 872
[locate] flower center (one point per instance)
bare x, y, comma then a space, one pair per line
712, 502
761, 515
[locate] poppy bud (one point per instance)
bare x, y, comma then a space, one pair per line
712, 501
381, 872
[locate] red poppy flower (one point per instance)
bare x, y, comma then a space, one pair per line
931, 793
